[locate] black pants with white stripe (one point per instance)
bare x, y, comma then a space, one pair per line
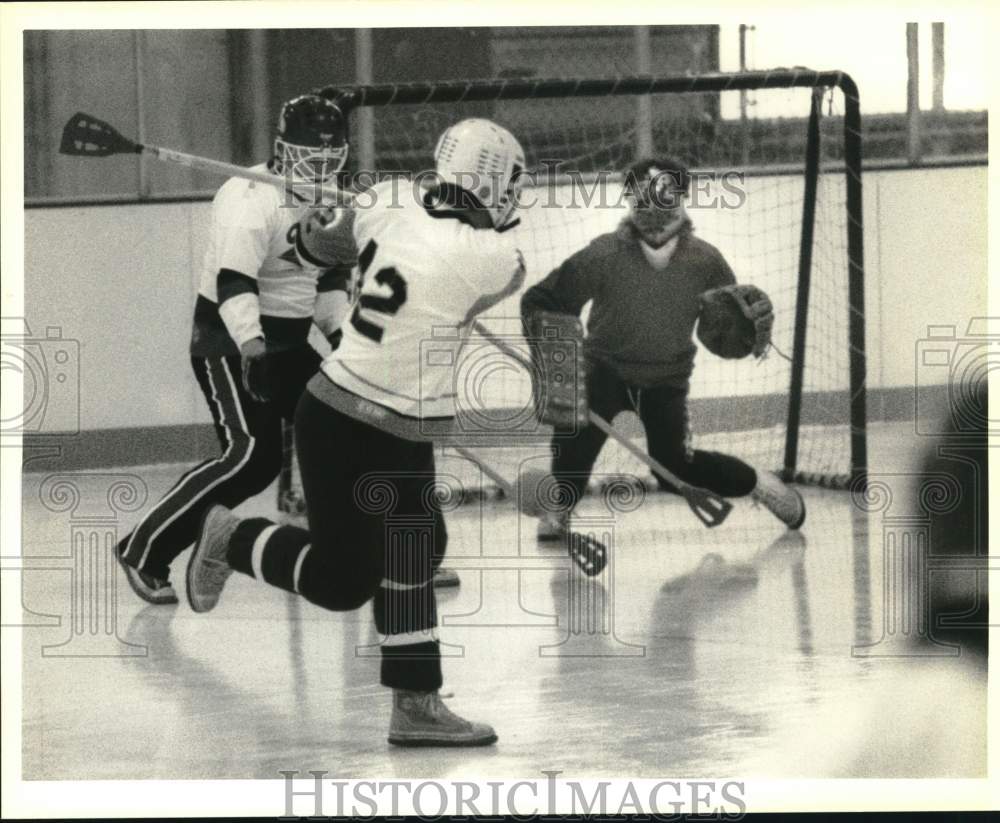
664, 414
249, 433
375, 531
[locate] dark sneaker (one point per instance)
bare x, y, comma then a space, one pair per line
553, 527
149, 588
445, 578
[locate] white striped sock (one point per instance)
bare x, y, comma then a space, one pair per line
392, 585
411, 638
257, 553
298, 566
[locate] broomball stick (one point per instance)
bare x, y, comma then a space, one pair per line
87, 136
587, 552
708, 507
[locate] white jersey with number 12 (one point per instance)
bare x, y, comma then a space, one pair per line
422, 274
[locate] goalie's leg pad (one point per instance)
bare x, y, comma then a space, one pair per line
559, 375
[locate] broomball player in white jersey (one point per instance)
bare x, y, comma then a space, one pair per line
429, 263
249, 348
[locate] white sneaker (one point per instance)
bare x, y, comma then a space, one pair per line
782, 501
421, 719
208, 570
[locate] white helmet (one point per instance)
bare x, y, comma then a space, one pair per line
483, 158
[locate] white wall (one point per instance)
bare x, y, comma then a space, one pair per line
925, 260
121, 280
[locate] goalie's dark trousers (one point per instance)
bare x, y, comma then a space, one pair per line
376, 530
664, 415
250, 436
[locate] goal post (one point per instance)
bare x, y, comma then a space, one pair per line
856, 293
797, 230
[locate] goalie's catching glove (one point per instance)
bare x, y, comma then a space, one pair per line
558, 378
735, 321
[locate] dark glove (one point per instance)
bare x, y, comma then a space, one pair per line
735, 321
254, 356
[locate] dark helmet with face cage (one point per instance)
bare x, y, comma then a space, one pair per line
311, 141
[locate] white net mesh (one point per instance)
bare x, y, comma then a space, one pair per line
743, 202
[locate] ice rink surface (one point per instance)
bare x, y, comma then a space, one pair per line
743, 650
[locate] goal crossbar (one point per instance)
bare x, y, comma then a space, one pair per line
812, 406
352, 97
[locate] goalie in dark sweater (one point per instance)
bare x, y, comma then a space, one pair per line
648, 281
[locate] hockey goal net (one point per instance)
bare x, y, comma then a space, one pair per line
780, 196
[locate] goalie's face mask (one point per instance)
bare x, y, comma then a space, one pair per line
656, 207
312, 138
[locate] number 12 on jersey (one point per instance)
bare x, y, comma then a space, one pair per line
387, 276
